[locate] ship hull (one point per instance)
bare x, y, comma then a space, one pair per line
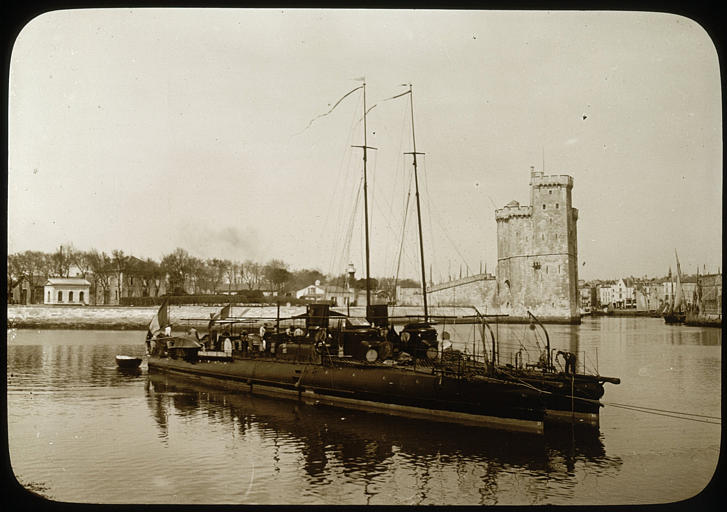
407, 392
566, 400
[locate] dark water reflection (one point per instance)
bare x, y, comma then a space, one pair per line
83, 430
362, 442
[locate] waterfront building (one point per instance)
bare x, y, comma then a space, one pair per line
28, 291
313, 292
709, 294
67, 290
537, 252
648, 295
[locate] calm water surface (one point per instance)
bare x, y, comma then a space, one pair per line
80, 430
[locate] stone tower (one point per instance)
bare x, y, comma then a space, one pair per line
537, 252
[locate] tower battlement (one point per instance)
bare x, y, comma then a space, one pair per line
513, 209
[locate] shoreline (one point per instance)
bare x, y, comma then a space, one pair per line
79, 317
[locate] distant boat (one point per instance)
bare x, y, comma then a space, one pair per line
676, 313
128, 361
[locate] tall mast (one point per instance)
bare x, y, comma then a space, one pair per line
366, 201
419, 211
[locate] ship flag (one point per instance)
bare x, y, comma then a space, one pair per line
161, 319
225, 313
220, 315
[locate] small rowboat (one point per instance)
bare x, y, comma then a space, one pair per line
128, 361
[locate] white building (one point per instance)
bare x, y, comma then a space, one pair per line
66, 290
312, 292
620, 295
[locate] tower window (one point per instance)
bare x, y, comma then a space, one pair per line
550, 192
543, 207
556, 206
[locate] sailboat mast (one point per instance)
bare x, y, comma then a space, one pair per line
366, 200
366, 203
419, 211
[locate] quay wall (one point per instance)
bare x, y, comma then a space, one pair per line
98, 317
184, 316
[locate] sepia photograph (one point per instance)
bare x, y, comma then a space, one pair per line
264, 256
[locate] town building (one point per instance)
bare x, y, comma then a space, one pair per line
335, 295
28, 291
709, 294
67, 290
313, 292
648, 295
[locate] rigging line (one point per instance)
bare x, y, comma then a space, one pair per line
663, 410
441, 226
425, 180
668, 415
647, 410
346, 250
446, 234
403, 230
341, 179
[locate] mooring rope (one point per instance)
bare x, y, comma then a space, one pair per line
648, 410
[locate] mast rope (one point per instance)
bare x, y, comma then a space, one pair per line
403, 230
435, 214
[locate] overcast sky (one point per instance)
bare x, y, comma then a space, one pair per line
150, 129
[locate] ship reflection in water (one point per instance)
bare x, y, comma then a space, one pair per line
333, 443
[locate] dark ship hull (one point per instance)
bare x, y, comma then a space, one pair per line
407, 391
128, 362
569, 398
675, 317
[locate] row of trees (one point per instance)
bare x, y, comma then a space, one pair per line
177, 273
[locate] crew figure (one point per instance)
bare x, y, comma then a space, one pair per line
149, 336
570, 361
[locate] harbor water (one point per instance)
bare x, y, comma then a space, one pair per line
82, 430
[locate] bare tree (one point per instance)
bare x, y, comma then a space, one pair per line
120, 262
26, 266
277, 274
218, 270
102, 267
62, 260
177, 267
253, 274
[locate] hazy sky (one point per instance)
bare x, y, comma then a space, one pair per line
150, 129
